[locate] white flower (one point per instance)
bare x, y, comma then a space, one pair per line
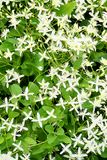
90, 145
53, 72
7, 123
25, 157
43, 56
4, 33
44, 86
54, 92
44, 23
22, 127
102, 2
40, 68
20, 49
77, 140
65, 148
79, 155
91, 29
31, 44
105, 19
83, 114
80, 11
39, 119
22, 40
80, 100
74, 104
96, 103
6, 104
97, 120
15, 135
12, 76
92, 133
32, 4
40, 8
95, 16
98, 82
26, 13
27, 94
27, 116
51, 114
10, 124
8, 54
63, 78
40, 99
73, 82
13, 19
62, 21
6, 156
92, 5
104, 61
56, 3
61, 103
17, 147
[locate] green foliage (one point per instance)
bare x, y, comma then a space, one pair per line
1, 140
96, 56
13, 114
49, 128
77, 63
15, 89
66, 9
53, 79
104, 154
6, 44
51, 138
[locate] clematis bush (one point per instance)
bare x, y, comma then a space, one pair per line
53, 79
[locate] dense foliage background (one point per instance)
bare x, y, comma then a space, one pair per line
53, 79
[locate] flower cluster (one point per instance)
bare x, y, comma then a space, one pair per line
53, 79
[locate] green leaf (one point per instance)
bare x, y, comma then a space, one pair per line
13, 114
40, 148
15, 89
49, 128
34, 21
59, 157
8, 140
70, 121
30, 141
33, 88
14, 33
25, 102
65, 94
87, 105
100, 45
51, 138
4, 65
60, 131
28, 68
94, 157
38, 63
2, 22
31, 64
96, 56
41, 134
12, 40
84, 83
77, 63
64, 139
6, 45
1, 140
66, 9
104, 154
